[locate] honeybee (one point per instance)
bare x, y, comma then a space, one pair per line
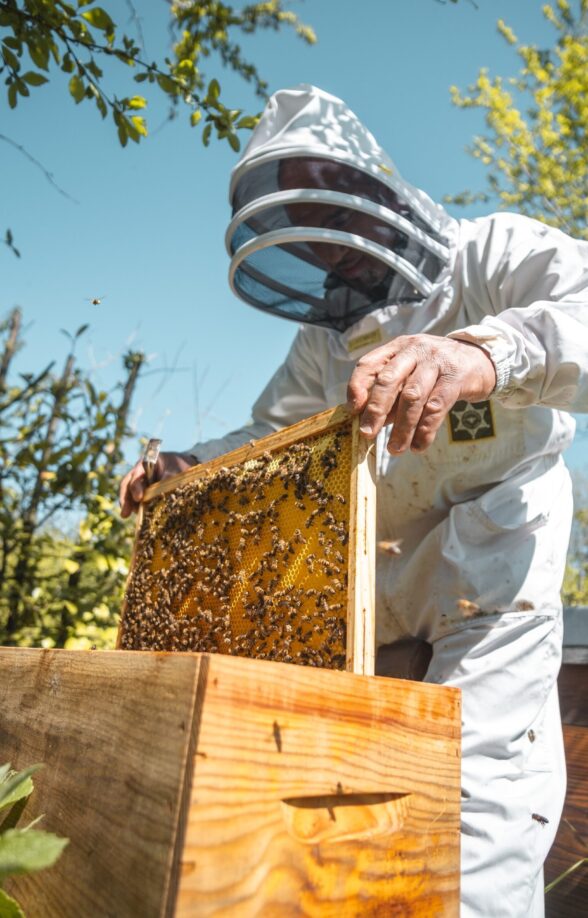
95, 300
391, 547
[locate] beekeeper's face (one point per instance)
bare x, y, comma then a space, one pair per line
350, 264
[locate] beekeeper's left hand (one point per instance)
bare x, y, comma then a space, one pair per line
413, 382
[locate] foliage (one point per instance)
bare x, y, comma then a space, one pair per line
63, 548
22, 850
40, 37
536, 157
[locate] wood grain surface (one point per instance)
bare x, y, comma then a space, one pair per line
201, 785
114, 731
573, 694
361, 608
569, 899
322, 794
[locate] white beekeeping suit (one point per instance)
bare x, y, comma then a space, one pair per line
326, 232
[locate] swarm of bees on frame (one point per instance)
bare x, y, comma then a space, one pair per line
249, 560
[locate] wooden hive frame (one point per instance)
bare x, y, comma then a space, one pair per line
359, 537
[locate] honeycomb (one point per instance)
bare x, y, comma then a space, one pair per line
249, 558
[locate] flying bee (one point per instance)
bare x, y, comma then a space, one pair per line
95, 300
391, 547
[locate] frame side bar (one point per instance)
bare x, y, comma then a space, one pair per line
361, 615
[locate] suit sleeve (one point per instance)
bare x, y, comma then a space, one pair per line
525, 290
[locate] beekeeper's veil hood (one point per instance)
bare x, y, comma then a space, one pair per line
324, 229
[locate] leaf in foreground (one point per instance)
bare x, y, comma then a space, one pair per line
8, 907
22, 850
15, 785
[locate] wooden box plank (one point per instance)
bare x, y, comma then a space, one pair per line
569, 898
114, 731
343, 799
204, 785
573, 691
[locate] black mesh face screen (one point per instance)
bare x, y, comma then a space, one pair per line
308, 172
289, 280
343, 243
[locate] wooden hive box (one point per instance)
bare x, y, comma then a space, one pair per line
208, 785
568, 899
266, 552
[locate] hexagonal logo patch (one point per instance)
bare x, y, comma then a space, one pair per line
471, 421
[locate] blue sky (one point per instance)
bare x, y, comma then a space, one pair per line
146, 233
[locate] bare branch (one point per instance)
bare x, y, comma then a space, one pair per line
10, 348
9, 241
48, 175
136, 20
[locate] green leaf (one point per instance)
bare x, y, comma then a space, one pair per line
77, 88
235, 142
139, 125
16, 785
93, 68
100, 19
214, 90
22, 87
136, 102
195, 118
247, 121
34, 79
10, 59
39, 53
166, 83
67, 64
122, 134
23, 789
23, 850
71, 567
12, 95
206, 134
13, 815
101, 105
9, 907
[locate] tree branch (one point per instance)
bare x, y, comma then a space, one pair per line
48, 175
10, 348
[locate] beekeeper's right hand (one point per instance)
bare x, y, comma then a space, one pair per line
134, 484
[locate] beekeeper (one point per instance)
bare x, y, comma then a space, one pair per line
462, 343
